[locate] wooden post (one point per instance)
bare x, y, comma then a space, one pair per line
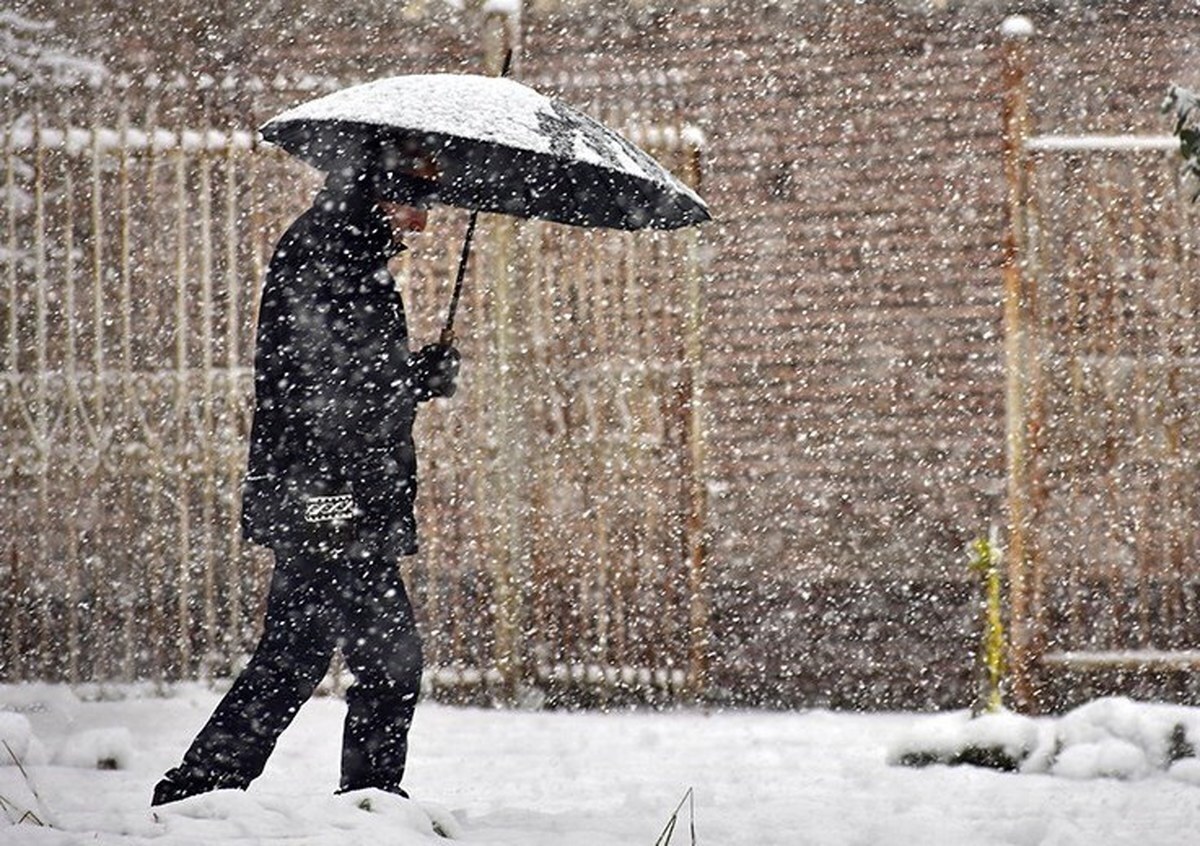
507, 556
695, 529
1015, 32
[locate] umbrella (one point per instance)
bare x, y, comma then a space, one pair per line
491, 144
497, 145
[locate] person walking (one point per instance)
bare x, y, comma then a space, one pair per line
330, 487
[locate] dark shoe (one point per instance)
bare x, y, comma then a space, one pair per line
397, 790
180, 784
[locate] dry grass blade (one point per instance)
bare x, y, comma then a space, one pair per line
10, 807
689, 799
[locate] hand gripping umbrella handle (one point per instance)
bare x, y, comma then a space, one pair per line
447, 336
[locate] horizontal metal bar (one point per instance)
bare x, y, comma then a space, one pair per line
83, 377
666, 137
77, 140
1132, 659
1100, 143
596, 675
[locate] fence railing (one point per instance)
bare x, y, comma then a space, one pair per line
562, 500
1102, 303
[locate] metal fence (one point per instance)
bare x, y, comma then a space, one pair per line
1104, 446
562, 489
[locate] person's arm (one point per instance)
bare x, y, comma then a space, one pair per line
353, 364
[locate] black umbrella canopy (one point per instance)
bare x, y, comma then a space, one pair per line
496, 146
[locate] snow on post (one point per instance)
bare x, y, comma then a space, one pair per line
1017, 26
509, 8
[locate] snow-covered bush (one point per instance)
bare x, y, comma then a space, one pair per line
1000, 740
1108, 738
99, 749
1120, 738
19, 748
18, 744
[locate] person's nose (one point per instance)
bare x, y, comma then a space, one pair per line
417, 220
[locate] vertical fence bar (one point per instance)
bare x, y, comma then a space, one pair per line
695, 531
71, 445
1075, 455
152, 537
207, 437
1182, 348
14, 625
1016, 124
499, 36
41, 414
107, 585
507, 562
1142, 435
96, 195
234, 401
179, 411
256, 187
1106, 348
11, 357
123, 439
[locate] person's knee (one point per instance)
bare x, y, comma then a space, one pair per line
404, 662
394, 666
290, 665
407, 661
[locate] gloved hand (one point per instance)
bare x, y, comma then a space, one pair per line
434, 369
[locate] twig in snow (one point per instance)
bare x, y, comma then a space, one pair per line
7, 804
690, 798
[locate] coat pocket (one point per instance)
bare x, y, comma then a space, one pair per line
385, 492
264, 512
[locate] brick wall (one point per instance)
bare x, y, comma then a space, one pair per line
854, 357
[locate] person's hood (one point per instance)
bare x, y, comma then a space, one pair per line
354, 218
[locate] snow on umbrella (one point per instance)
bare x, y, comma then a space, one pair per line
498, 146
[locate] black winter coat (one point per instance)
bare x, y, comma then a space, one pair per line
331, 448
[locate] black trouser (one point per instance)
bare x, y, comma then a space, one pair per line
319, 601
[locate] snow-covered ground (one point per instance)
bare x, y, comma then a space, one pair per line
591, 779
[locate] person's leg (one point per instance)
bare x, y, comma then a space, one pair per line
383, 651
291, 658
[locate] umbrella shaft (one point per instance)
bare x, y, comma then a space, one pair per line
448, 331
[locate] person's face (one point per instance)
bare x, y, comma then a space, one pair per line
404, 219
